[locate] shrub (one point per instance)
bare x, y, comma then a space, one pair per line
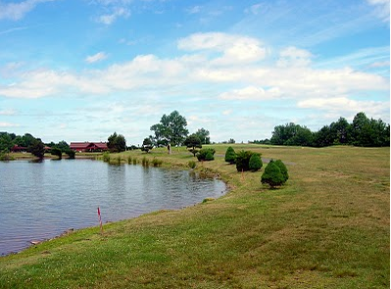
206, 154
70, 153
243, 160
255, 162
192, 164
129, 160
147, 145
272, 175
145, 162
230, 155
106, 157
135, 161
193, 142
283, 169
56, 152
156, 162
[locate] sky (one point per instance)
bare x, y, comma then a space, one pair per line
80, 70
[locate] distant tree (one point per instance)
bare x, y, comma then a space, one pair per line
230, 155
203, 134
193, 142
147, 145
340, 131
37, 148
5, 142
56, 152
171, 129
71, 153
116, 143
231, 141
255, 162
62, 145
272, 175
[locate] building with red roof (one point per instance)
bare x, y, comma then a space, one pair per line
88, 146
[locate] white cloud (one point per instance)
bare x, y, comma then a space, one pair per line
380, 64
8, 124
382, 9
16, 11
252, 93
292, 56
233, 48
7, 112
194, 10
344, 105
117, 12
96, 57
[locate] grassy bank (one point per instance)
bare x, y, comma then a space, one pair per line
328, 227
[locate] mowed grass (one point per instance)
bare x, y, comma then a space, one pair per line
328, 227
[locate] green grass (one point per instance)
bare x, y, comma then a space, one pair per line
328, 227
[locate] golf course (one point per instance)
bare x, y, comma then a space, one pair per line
328, 226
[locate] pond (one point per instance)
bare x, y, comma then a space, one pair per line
39, 201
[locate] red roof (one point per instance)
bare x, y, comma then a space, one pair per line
88, 146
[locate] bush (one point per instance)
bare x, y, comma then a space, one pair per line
70, 153
243, 160
192, 164
255, 162
156, 162
145, 162
283, 169
272, 175
230, 155
106, 157
206, 154
56, 152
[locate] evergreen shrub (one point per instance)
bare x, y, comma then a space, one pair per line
206, 154
272, 175
230, 155
243, 160
255, 162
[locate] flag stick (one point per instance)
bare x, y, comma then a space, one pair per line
100, 221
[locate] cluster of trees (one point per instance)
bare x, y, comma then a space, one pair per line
362, 131
172, 130
116, 143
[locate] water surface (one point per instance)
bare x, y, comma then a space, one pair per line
39, 201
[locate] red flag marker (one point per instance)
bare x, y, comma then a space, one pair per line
100, 221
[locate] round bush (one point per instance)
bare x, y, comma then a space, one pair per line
255, 162
283, 169
230, 155
272, 175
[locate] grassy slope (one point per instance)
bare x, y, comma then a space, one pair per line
327, 228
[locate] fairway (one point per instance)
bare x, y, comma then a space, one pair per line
327, 227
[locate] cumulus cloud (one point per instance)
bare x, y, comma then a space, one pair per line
7, 112
96, 57
8, 124
16, 11
382, 9
233, 48
344, 104
200, 70
293, 56
112, 17
252, 93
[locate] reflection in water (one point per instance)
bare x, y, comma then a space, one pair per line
41, 200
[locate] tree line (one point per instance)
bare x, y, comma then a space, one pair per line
362, 132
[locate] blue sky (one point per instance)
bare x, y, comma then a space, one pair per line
78, 70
